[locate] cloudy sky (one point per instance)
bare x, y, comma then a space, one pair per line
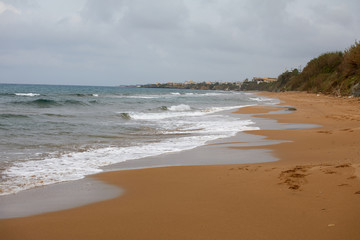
113, 42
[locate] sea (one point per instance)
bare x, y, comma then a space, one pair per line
51, 134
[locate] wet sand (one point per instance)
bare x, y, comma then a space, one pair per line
312, 192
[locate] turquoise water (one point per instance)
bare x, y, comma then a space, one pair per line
51, 133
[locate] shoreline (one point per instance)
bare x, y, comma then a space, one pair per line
78, 193
311, 193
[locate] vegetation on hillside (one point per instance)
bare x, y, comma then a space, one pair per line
336, 73
227, 86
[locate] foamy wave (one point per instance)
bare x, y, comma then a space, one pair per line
144, 96
164, 115
265, 99
209, 125
180, 108
172, 95
219, 109
206, 94
27, 94
74, 166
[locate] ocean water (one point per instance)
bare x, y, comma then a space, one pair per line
51, 134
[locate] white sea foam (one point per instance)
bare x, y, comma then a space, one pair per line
73, 166
136, 96
219, 109
27, 94
173, 95
180, 108
207, 94
145, 97
164, 115
265, 100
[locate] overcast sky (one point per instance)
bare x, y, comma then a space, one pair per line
113, 42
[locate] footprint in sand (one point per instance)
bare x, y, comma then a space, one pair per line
343, 166
294, 177
347, 130
325, 132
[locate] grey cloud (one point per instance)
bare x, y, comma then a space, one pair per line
107, 11
161, 14
22, 4
136, 41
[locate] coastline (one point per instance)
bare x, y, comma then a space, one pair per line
312, 192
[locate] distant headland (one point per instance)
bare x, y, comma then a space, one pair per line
334, 73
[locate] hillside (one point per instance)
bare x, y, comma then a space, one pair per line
336, 73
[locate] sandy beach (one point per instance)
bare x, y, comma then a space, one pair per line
312, 192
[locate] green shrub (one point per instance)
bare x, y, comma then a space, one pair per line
351, 63
336, 73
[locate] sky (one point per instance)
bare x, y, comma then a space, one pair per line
119, 42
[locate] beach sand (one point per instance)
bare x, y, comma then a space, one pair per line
312, 192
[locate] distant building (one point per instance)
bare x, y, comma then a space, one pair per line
189, 82
263, 80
